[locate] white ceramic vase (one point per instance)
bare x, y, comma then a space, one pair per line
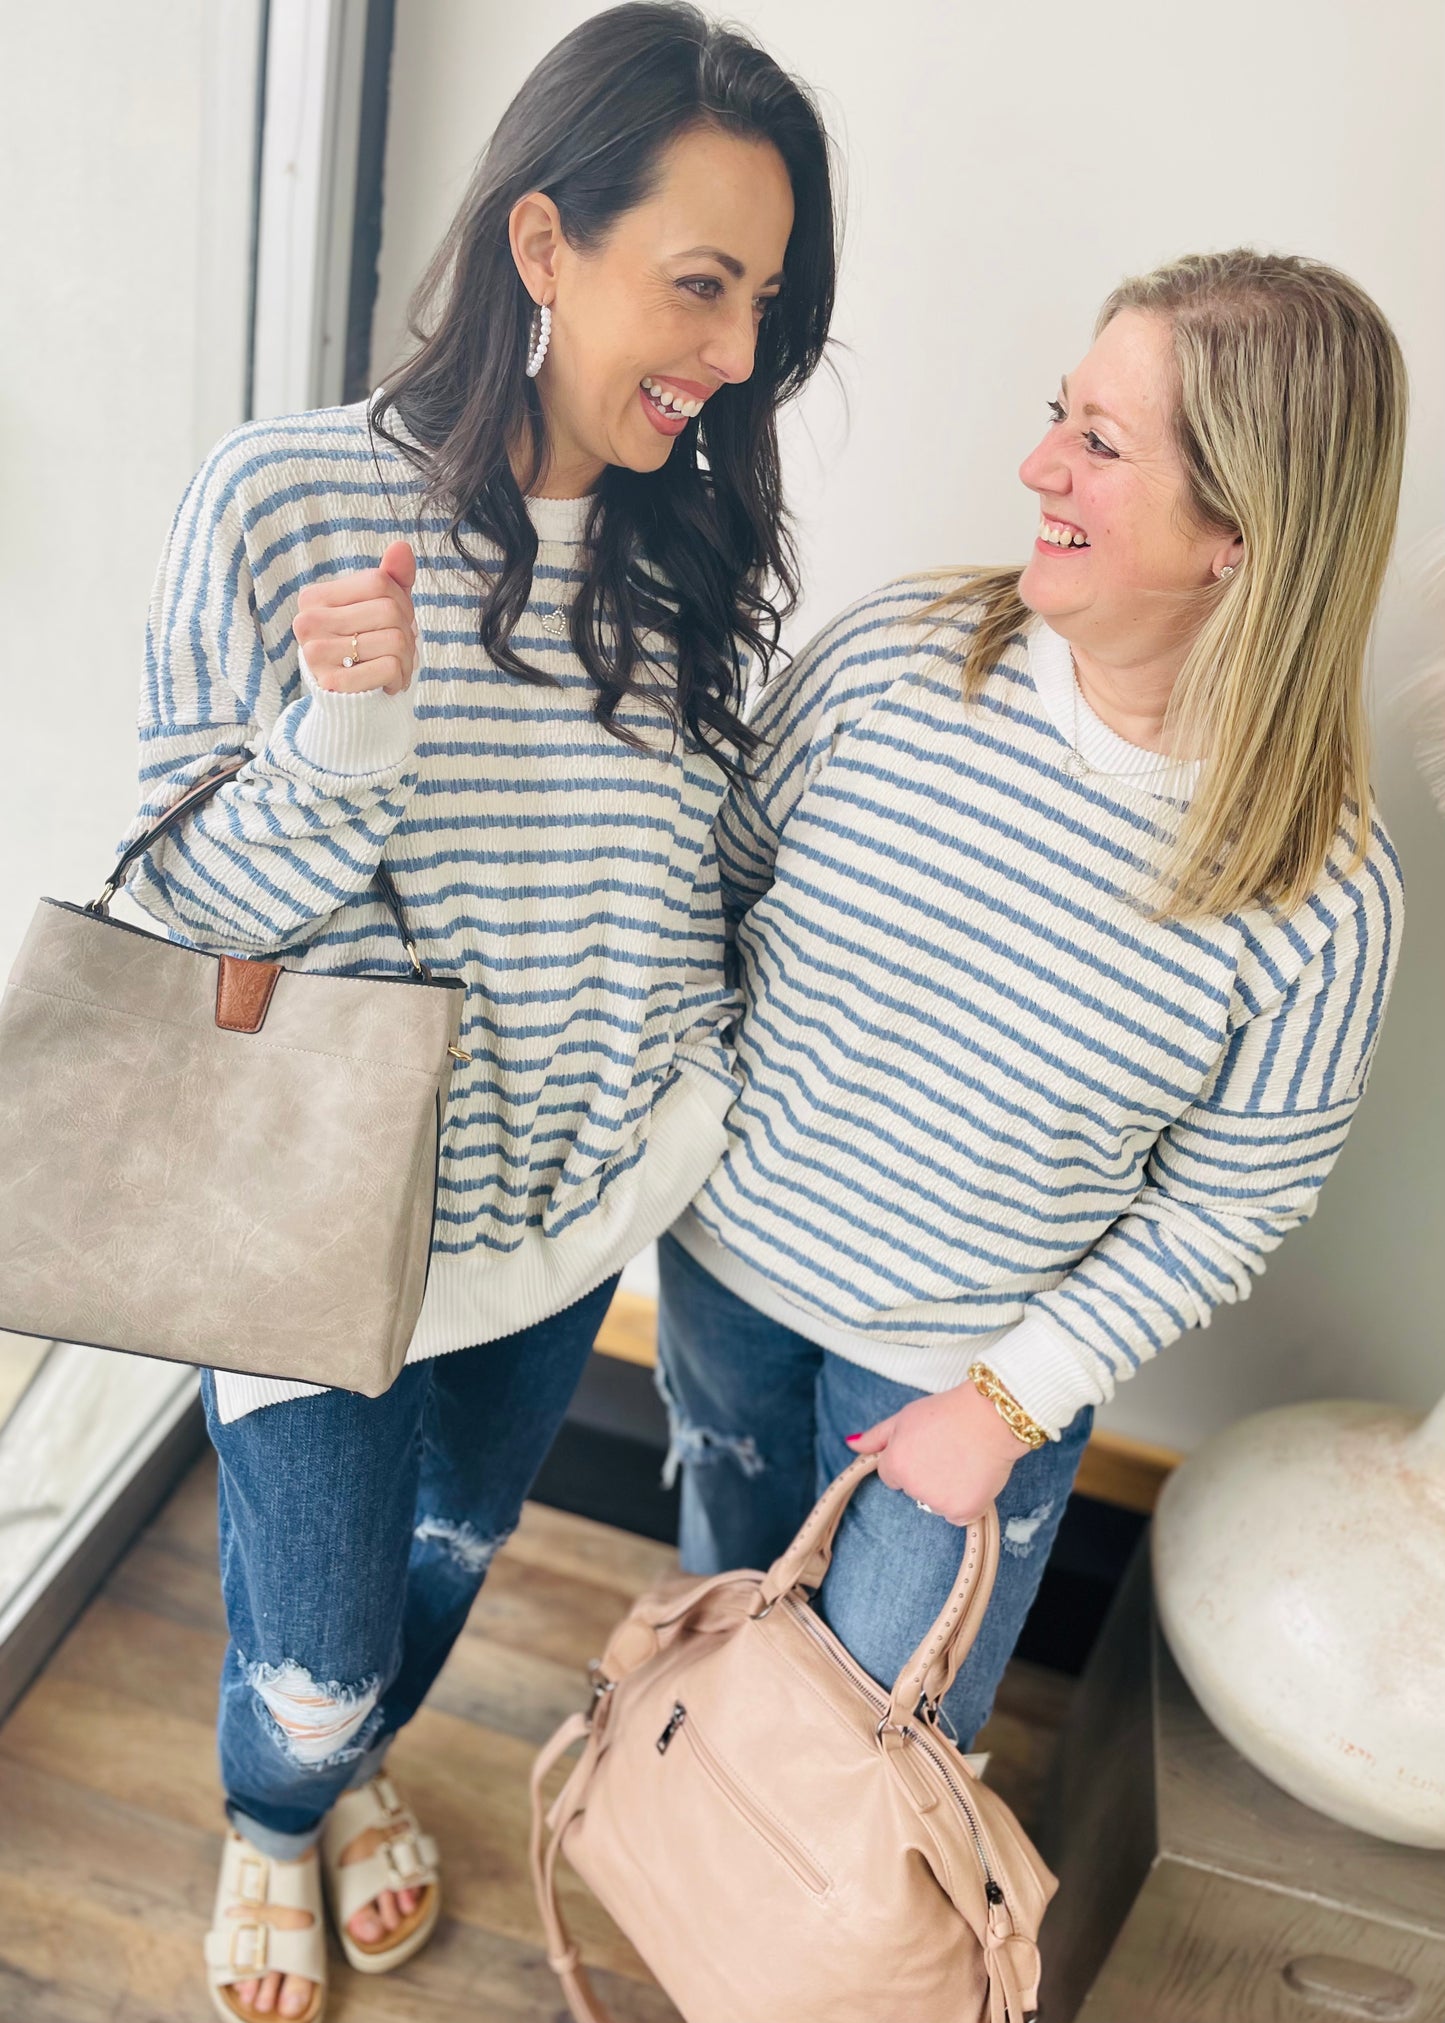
1299, 1565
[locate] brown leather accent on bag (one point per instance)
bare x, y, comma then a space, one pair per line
243, 993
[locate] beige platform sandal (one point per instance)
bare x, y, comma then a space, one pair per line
371, 1842
256, 1930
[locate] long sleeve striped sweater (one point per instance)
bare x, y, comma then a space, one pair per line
987, 1103
570, 880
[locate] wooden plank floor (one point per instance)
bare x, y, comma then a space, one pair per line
110, 1818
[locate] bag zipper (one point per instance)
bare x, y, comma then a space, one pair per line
781, 1842
858, 1679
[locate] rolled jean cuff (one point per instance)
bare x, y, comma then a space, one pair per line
370, 1764
266, 1840
279, 1846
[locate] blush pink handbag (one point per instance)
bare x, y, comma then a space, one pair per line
781, 1839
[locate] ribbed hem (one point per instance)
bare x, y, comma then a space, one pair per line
931, 1366
1049, 1373
237, 1395
353, 735
478, 1296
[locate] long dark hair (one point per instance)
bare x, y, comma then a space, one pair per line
699, 552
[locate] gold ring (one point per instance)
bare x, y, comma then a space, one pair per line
350, 659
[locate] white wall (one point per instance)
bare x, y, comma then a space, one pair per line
1005, 165
125, 194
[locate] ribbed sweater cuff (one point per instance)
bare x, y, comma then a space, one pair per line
355, 734
1051, 1375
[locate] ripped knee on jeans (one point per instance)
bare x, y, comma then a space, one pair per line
461, 1542
1019, 1533
694, 1446
317, 1725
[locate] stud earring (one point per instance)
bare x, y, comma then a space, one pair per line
541, 338
1227, 570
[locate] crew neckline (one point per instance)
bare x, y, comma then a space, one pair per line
560, 521
563, 521
1051, 669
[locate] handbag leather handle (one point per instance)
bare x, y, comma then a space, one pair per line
196, 797
935, 1664
193, 798
808, 1558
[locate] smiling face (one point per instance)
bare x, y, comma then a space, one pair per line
651, 324
1120, 566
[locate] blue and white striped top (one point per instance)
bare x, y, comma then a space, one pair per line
570, 879
987, 1103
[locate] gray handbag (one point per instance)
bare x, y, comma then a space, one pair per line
218, 1161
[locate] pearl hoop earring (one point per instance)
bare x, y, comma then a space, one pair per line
541, 338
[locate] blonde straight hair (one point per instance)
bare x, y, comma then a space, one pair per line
1291, 425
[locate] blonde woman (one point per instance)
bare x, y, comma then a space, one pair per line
1065, 925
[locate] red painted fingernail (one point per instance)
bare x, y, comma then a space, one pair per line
851, 1437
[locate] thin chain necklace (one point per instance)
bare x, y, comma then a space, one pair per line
558, 621
1077, 765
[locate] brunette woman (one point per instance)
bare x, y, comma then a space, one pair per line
488, 628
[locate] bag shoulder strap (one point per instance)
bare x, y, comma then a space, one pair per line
563, 1956
196, 797
193, 798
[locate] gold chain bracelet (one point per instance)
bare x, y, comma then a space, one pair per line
1006, 1405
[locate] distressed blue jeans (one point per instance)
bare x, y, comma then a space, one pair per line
355, 1533
759, 1420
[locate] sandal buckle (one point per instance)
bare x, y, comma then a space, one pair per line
404, 1859
386, 1793
251, 1887
255, 1961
